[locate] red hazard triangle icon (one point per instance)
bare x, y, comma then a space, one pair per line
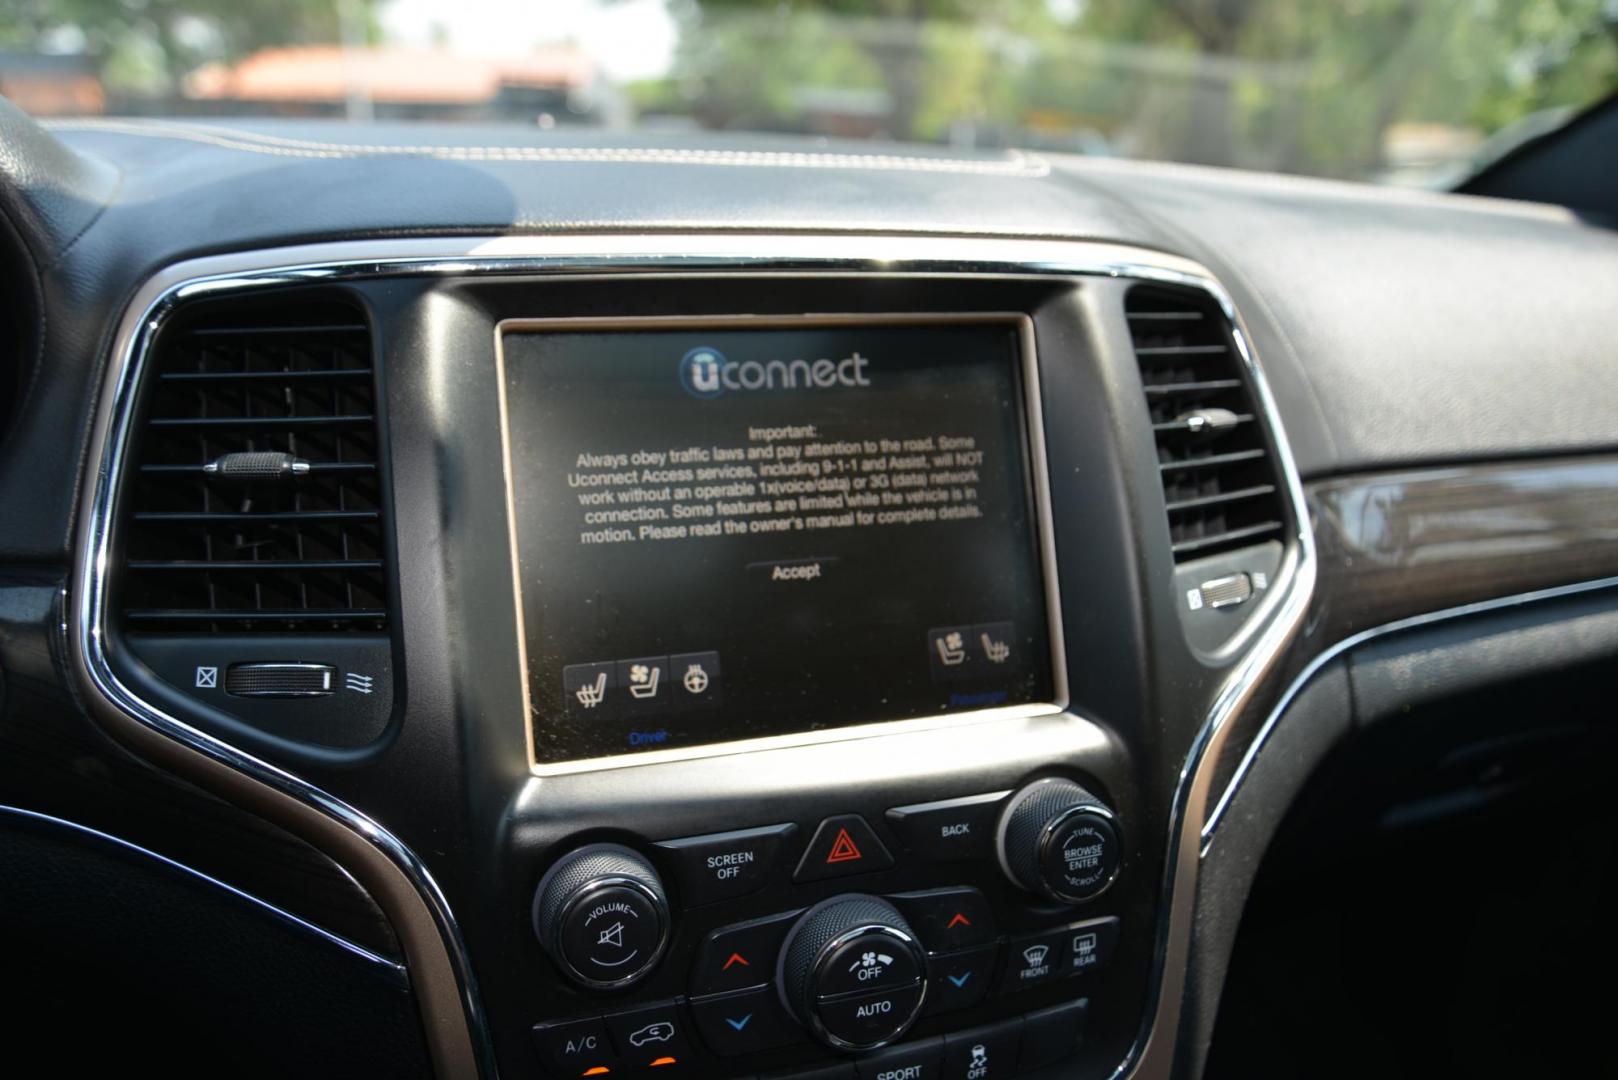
735, 958
959, 920
843, 849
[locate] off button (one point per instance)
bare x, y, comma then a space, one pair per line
723, 866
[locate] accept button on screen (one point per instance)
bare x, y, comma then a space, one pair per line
783, 573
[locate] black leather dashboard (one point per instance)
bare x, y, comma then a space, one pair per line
1388, 319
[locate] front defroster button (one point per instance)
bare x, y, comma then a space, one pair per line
1034, 960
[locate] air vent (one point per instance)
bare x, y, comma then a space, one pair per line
289, 539
1221, 486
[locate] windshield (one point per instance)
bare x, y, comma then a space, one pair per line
1396, 91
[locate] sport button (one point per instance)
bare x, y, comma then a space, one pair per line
841, 846
917, 1060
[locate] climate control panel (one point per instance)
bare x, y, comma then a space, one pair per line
860, 981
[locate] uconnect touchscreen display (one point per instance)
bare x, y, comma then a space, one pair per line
735, 530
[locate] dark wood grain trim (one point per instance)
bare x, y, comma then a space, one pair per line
1396, 545
1393, 545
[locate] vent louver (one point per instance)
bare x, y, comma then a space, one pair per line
288, 540
1221, 486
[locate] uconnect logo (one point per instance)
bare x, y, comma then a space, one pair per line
705, 373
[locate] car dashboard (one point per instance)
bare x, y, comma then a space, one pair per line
766, 610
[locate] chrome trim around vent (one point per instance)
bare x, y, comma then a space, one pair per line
394, 971
338, 827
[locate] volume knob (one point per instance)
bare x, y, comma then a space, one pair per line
602, 915
1059, 841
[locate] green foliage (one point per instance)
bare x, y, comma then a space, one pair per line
159, 41
1321, 86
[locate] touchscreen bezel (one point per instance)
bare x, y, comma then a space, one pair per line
1038, 475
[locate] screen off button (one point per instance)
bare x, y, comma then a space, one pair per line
724, 866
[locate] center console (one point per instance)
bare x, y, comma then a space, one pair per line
775, 667
855, 971
742, 534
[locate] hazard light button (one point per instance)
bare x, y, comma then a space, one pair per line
843, 845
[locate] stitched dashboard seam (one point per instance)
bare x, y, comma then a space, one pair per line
1017, 165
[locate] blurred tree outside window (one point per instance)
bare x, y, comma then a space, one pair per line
1392, 90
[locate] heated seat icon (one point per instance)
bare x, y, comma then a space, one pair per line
590, 694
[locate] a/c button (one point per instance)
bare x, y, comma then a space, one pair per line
576, 1047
